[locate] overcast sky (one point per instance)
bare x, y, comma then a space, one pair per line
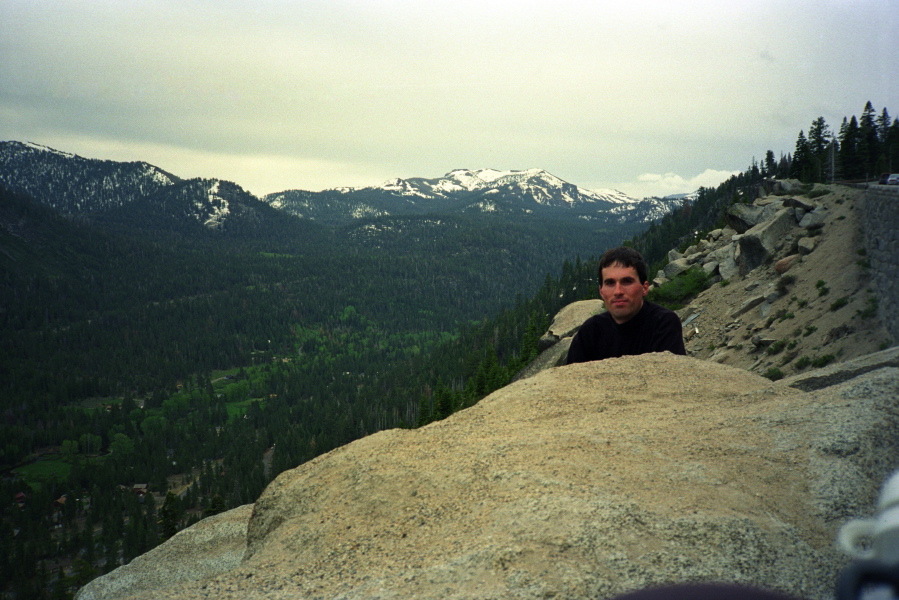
647, 97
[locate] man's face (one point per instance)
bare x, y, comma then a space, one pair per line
622, 292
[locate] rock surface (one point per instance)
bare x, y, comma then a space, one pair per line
587, 480
215, 545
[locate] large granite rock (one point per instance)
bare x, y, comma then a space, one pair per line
569, 319
582, 481
763, 240
554, 344
213, 546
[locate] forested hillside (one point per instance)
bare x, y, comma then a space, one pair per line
156, 368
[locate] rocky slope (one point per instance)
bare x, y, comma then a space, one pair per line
594, 479
795, 290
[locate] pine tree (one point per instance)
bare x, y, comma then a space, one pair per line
819, 139
883, 126
769, 168
443, 401
851, 163
802, 159
169, 516
891, 147
216, 506
869, 143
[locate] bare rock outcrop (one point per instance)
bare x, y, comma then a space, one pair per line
215, 545
555, 342
583, 481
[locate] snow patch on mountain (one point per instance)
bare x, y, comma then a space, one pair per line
157, 176
216, 209
539, 185
362, 211
47, 149
403, 187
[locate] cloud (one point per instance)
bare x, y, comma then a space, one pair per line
325, 93
656, 184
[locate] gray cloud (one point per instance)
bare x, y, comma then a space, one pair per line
279, 94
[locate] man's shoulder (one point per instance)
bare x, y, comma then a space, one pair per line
658, 317
658, 311
598, 320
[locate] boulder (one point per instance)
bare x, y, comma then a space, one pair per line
676, 267
747, 306
756, 245
784, 264
743, 217
814, 219
553, 345
807, 245
724, 257
569, 319
715, 234
728, 269
804, 204
789, 186
584, 481
767, 201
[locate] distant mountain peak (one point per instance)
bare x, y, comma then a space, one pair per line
40, 148
531, 191
538, 184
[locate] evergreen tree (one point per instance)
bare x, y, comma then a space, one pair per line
216, 506
169, 516
891, 147
851, 163
769, 168
819, 145
443, 401
883, 125
868, 141
802, 159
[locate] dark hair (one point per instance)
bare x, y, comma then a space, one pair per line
626, 257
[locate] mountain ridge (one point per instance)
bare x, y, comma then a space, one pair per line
77, 185
526, 192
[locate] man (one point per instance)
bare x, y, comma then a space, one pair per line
631, 324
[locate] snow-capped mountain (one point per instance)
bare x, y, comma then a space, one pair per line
134, 193
541, 186
130, 192
72, 184
527, 192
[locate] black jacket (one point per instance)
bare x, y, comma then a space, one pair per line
653, 329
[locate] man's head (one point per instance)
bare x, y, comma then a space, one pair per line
623, 282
